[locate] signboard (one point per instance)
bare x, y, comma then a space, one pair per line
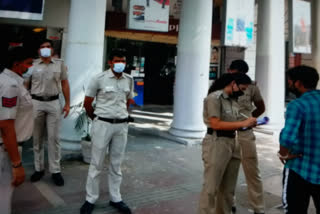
300, 26
238, 29
22, 9
152, 15
53, 34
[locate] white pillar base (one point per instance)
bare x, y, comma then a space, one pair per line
70, 138
193, 134
73, 146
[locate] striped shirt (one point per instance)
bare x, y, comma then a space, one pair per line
301, 135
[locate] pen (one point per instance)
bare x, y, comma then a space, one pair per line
244, 115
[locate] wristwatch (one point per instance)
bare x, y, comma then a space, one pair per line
17, 165
281, 156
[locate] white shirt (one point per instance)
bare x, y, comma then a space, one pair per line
16, 104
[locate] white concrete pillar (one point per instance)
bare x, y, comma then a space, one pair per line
84, 55
316, 35
250, 58
193, 62
270, 60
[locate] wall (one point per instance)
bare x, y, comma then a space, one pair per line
250, 52
306, 59
250, 58
228, 55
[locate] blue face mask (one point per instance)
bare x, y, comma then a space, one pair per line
119, 67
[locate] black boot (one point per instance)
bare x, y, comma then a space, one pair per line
86, 208
121, 207
57, 179
36, 176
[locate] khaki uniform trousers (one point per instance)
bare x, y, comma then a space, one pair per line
249, 161
6, 189
47, 114
112, 138
221, 158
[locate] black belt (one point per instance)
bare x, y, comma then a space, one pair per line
222, 133
109, 120
45, 98
19, 144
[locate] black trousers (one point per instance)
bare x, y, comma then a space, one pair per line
297, 193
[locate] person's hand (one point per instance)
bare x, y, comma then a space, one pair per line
66, 110
18, 176
250, 122
287, 157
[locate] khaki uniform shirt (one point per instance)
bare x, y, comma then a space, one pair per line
111, 94
218, 104
45, 79
251, 94
16, 104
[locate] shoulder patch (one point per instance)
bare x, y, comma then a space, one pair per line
9, 102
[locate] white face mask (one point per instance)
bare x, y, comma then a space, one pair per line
119, 67
45, 52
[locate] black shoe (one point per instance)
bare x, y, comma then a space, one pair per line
258, 213
234, 209
57, 179
36, 176
121, 206
86, 208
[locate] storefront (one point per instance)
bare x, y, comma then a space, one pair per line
152, 55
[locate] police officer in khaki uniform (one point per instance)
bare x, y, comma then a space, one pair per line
112, 90
251, 104
47, 77
220, 151
15, 115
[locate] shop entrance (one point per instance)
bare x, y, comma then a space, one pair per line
160, 73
